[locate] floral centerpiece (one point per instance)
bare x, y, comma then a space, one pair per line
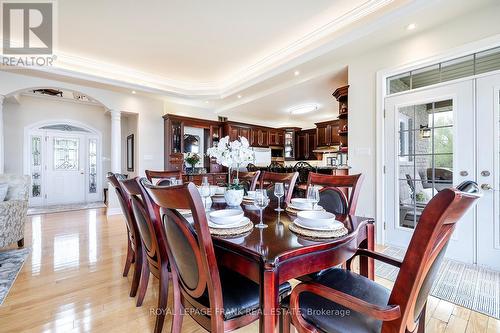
233, 154
192, 159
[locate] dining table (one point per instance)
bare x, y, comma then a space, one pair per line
274, 255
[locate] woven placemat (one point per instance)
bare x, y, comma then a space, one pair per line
232, 231
317, 234
294, 211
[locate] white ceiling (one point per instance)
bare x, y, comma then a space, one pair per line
196, 47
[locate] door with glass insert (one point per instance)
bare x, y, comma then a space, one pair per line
488, 168
65, 168
429, 146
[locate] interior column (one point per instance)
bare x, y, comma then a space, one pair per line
2, 160
116, 144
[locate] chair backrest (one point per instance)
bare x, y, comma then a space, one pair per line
252, 167
339, 193
248, 179
162, 176
190, 247
303, 168
147, 216
268, 179
125, 204
425, 253
19, 186
276, 167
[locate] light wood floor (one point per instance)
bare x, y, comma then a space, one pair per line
72, 282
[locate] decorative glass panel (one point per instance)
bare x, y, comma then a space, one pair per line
36, 162
66, 154
425, 157
93, 166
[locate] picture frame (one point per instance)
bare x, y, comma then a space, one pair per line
130, 152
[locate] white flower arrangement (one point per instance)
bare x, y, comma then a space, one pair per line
232, 154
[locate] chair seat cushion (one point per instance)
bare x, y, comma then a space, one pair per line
331, 317
240, 295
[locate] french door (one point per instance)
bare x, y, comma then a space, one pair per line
437, 138
488, 167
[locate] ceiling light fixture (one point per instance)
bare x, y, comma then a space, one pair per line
134, 92
411, 26
296, 73
303, 108
239, 96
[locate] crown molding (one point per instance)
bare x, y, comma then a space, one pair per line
281, 60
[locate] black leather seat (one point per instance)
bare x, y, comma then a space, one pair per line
331, 317
239, 294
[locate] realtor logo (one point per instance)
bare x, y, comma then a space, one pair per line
27, 28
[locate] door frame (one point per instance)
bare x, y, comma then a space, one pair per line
381, 94
93, 133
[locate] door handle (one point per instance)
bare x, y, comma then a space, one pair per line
487, 187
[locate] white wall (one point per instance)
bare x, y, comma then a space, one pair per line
35, 109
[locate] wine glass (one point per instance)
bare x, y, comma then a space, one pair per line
279, 191
205, 191
261, 201
313, 195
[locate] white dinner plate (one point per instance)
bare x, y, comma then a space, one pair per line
335, 225
238, 224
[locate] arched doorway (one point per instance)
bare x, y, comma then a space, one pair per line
63, 158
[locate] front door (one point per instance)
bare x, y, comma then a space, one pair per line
488, 167
429, 146
65, 168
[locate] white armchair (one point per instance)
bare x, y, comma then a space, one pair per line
13, 210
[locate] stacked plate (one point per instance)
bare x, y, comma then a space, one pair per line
299, 204
217, 193
227, 219
249, 197
317, 221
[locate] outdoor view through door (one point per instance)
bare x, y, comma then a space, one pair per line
425, 156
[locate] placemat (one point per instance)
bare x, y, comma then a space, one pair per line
317, 234
232, 231
294, 212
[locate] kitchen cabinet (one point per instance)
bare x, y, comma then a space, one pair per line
327, 133
306, 144
259, 137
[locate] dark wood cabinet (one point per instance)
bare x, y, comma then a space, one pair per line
306, 144
174, 138
327, 133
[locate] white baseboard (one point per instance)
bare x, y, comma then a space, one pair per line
114, 211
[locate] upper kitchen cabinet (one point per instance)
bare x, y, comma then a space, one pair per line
259, 137
327, 133
306, 144
235, 130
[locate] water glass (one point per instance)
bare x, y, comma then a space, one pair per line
205, 191
261, 201
313, 195
279, 191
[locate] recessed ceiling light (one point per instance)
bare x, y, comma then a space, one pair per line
411, 26
296, 73
239, 96
303, 108
207, 102
134, 92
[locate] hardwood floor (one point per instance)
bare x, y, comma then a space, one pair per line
72, 282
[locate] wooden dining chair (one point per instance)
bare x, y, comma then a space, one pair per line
268, 179
218, 299
249, 179
153, 239
372, 307
134, 244
162, 176
339, 194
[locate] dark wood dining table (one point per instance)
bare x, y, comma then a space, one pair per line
274, 255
